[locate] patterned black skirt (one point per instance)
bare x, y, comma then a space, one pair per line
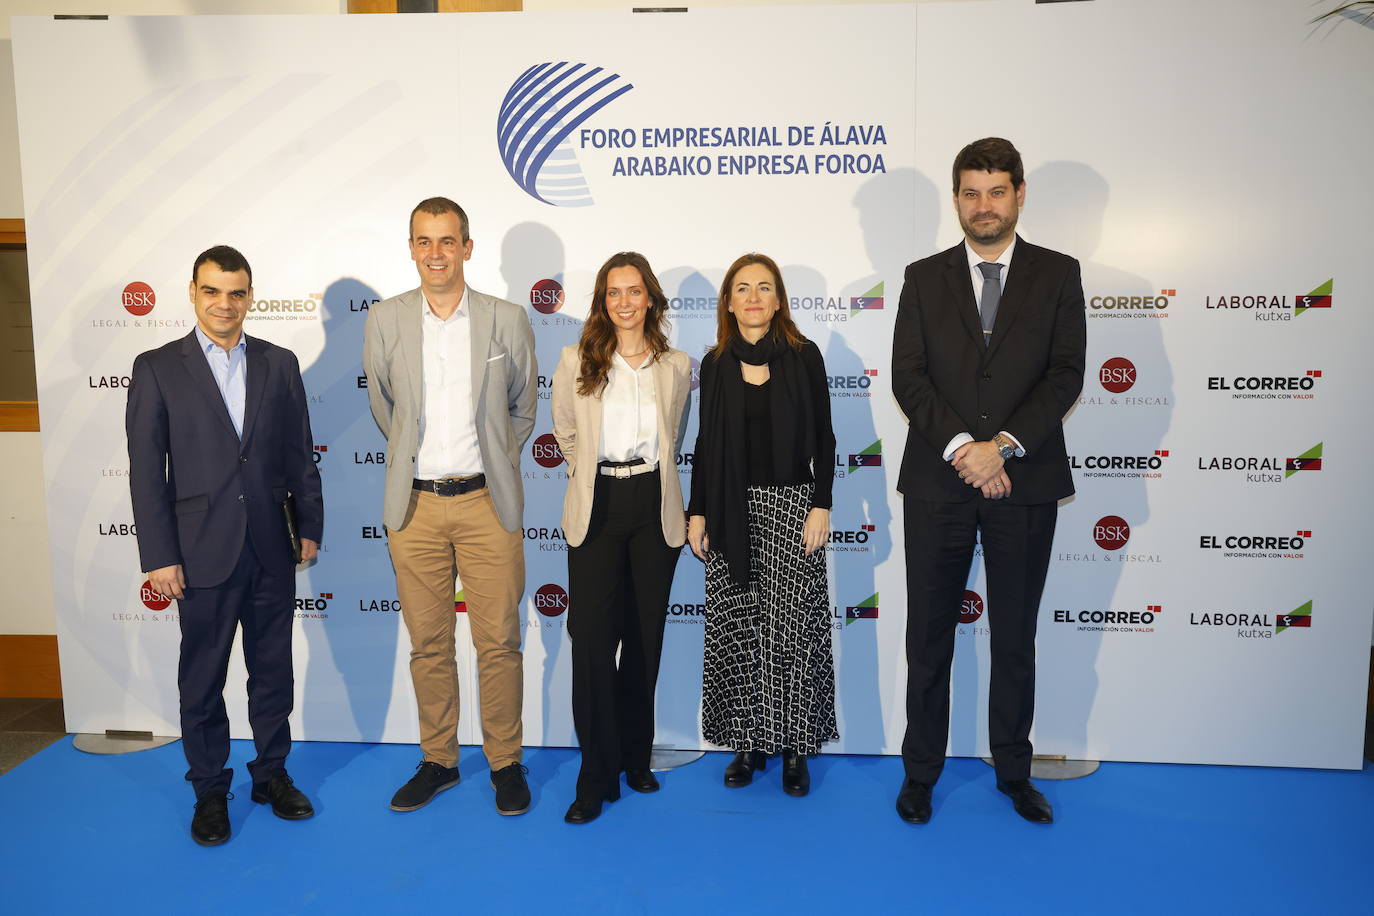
768, 680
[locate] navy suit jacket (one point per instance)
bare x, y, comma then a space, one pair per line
198, 490
1024, 381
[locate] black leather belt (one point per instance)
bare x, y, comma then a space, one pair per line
451, 486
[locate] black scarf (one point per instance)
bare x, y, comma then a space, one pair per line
793, 418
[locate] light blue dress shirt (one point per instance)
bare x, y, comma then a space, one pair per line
230, 369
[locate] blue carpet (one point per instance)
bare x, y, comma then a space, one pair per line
110, 835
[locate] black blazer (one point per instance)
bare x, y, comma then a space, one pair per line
188, 468
1024, 381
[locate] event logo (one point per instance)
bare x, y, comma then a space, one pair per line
870, 457
319, 453
851, 386
1265, 470
864, 610
546, 296
118, 529
1140, 467
869, 301
855, 540
547, 538
306, 309
1106, 621
379, 605
460, 601
694, 374
1257, 546
1117, 375
152, 599
138, 299
1111, 532
108, 382
550, 600
1275, 307
971, 607
1123, 306
546, 452
542, 107
314, 608
1248, 625
1267, 387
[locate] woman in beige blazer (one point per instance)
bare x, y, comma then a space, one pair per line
619, 397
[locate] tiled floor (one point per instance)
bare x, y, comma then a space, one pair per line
26, 727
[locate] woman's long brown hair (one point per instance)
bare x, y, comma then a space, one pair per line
598, 341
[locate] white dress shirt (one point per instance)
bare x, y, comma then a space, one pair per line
230, 369
629, 413
976, 276
448, 427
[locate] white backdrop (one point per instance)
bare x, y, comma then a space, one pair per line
1184, 173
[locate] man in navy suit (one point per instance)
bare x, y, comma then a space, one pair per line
219, 436
987, 358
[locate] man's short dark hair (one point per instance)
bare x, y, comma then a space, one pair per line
990, 154
226, 259
438, 206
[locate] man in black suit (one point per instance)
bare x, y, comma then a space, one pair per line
985, 370
218, 437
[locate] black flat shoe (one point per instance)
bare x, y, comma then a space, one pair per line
210, 825
913, 802
1027, 800
796, 778
582, 811
740, 771
288, 802
641, 780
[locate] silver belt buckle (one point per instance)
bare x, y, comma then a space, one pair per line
622, 471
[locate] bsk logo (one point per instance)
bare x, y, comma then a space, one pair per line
1319, 298
1111, 532
138, 299
864, 610
541, 109
152, 599
870, 457
1117, 374
546, 296
971, 607
1310, 460
546, 451
869, 301
550, 600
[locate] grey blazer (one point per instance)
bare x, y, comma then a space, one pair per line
503, 395
577, 426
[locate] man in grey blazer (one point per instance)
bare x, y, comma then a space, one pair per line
451, 381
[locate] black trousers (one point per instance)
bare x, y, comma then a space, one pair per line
940, 539
618, 584
264, 605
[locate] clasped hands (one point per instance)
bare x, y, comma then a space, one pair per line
980, 466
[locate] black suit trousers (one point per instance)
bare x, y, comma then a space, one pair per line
619, 578
940, 538
264, 605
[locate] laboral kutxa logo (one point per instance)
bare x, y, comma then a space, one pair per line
541, 109
1248, 625
870, 457
1276, 307
869, 301
1261, 468
864, 610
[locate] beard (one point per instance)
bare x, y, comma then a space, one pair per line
997, 229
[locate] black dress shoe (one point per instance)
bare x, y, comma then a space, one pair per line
429, 780
583, 812
740, 771
288, 802
913, 802
512, 792
210, 825
796, 779
1027, 800
641, 780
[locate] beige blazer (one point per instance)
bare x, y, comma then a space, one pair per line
577, 427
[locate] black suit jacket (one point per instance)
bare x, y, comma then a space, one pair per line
1024, 381
197, 489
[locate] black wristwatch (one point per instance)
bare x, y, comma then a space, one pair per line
1005, 447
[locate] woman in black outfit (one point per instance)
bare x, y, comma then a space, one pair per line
760, 518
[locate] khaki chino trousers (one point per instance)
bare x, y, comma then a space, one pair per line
441, 533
